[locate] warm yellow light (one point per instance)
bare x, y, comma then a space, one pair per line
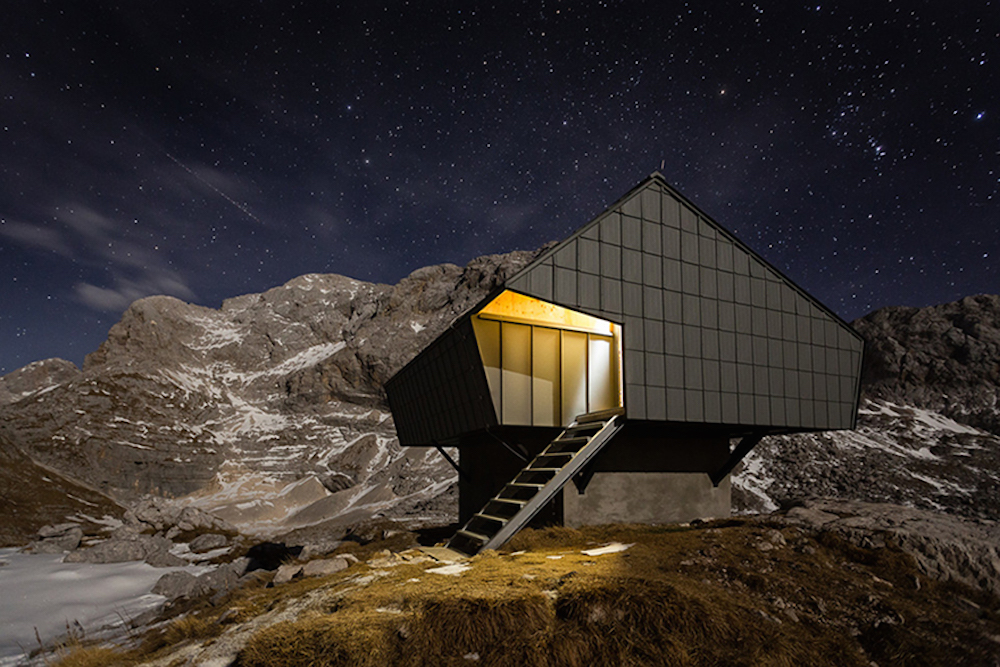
513, 306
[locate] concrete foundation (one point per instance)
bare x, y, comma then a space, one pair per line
645, 497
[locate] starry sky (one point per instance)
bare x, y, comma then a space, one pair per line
211, 149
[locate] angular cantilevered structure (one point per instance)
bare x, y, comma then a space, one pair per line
626, 359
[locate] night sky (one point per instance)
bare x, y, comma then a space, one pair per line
211, 149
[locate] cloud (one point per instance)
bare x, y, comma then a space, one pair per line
106, 299
35, 236
86, 221
117, 298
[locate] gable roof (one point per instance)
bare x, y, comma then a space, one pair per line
713, 332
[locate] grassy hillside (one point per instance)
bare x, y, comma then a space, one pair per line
738, 592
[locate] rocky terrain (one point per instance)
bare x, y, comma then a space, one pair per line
828, 582
268, 411
944, 358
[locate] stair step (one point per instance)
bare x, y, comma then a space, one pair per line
568, 450
505, 508
540, 476
586, 432
509, 500
520, 491
600, 416
490, 517
475, 536
549, 452
570, 441
479, 525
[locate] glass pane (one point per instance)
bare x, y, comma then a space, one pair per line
488, 338
545, 377
516, 377
574, 375
603, 390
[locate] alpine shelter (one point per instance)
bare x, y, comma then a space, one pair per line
641, 358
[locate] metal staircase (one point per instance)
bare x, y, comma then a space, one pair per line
522, 498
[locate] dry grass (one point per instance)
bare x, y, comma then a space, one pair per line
728, 593
95, 656
348, 639
738, 592
76, 652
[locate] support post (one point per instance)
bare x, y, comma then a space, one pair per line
454, 464
740, 451
582, 478
509, 448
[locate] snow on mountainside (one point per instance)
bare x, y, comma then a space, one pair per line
268, 411
928, 431
898, 454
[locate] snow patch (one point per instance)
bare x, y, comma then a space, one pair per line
217, 333
40, 591
452, 570
754, 480
612, 548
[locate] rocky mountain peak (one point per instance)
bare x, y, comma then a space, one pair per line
944, 357
35, 377
150, 329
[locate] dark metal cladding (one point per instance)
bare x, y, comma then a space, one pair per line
442, 393
713, 334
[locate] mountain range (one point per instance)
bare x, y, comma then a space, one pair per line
269, 411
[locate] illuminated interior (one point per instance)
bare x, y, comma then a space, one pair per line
514, 307
546, 364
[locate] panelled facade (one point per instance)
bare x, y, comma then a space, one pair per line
652, 308
712, 333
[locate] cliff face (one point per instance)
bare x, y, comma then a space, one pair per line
269, 406
944, 358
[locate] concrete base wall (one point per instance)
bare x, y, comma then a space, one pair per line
645, 497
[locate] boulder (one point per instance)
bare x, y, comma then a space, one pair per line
286, 573
225, 577
162, 515
155, 550
173, 585
110, 551
56, 539
207, 542
181, 584
325, 566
